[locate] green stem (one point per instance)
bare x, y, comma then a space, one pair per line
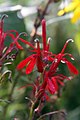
31, 112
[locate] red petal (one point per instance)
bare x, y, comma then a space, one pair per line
19, 46
50, 86
55, 83
62, 77
14, 38
44, 33
50, 58
28, 43
39, 64
24, 62
72, 68
10, 31
14, 41
60, 82
31, 65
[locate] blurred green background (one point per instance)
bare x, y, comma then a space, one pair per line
21, 18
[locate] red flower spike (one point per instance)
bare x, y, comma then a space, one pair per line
42, 56
58, 58
51, 80
44, 33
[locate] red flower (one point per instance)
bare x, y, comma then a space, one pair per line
13, 45
52, 79
61, 58
40, 57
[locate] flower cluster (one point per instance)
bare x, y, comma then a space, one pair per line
74, 7
6, 52
47, 65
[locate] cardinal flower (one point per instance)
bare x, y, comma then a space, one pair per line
51, 78
8, 53
40, 56
6, 50
61, 58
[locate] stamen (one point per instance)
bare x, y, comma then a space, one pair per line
62, 61
55, 60
49, 39
23, 33
69, 40
37, 43
48, 44
8, 63
4, 16
4, 50
72, 58
9, 76
70, 55
36, 40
